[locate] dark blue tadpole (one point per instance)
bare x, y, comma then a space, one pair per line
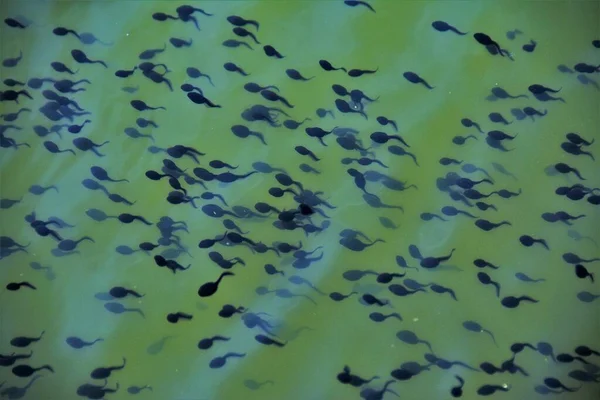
442, 26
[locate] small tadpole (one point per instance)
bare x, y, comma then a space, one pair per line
457, 391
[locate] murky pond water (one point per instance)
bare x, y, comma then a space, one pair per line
378, 204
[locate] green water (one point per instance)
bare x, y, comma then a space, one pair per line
396, 39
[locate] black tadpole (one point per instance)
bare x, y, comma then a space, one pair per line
210, 288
